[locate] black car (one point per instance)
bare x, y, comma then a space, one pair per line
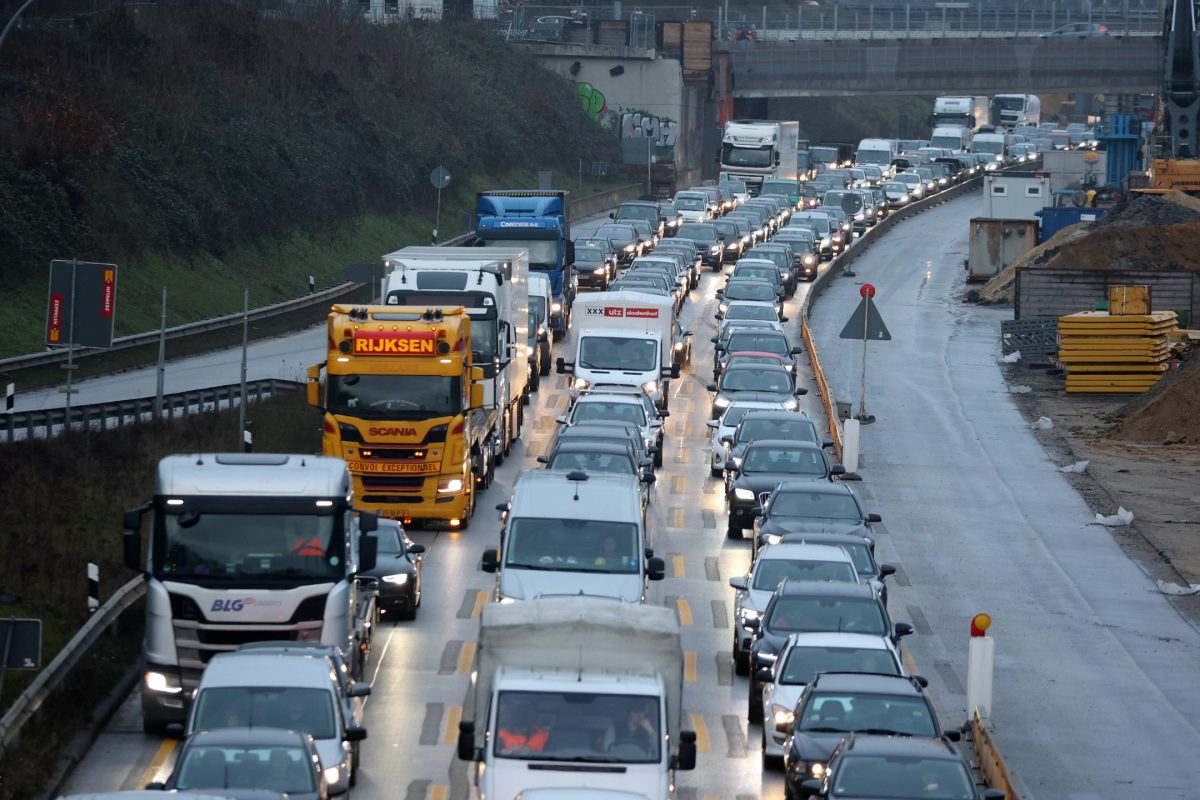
707, 240
594, 269
814, 607
732, 237
765, 382
907, 767
764, 424
808, 507
782, 255
398, 570
805, 256
603, 431
689, 250
647, 211
766, 464
625, 240
756, 341
245, 763
758, 291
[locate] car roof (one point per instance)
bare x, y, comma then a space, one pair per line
603, 448
609, 397
790, 444
780, 368
756, 354
864, 641
923, 746
802, 552
257, 737
810, 486
866, 682
268, 669
794, 588
778, 414
832, 539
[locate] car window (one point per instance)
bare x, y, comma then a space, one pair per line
592, 462
756, 380
758, 342
856, 712
813, 505
804, 662
752, 312
770, 572
799, 430
599, 409
277, 769
784, 460
936, 779
308, 711
827, 614
747, 290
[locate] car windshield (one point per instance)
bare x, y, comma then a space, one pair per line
770, 572
751, 290
758, 342
727, 229
986, 146
859, 712
827, 615
291, 708
394, 396
737, 187
699, 233
388, 541
780, 260
896, 186
783, 188
690, 203
618, 463
804, 662
276, 769
631, 413
752, 312
589, 255
786, 460
800, 429
622, 233
736, 156
647, 213
815, 505
756, 380
572, 545
911, 778
618, 352
578, 727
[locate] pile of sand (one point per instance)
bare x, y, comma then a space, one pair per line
1167, 413
1144, 233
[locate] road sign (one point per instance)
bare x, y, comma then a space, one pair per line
865, 322
82, 294
867, 290
21, 640
440, 177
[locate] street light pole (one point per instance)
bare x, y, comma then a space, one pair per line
13, 21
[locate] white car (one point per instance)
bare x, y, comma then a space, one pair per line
724, 426
897, 193
692, 206
915, 183
806, 654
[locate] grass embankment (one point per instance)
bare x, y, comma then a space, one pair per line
63, 500
206, 149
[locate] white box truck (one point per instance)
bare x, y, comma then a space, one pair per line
622, 338
493, 285
577, 693
758, 150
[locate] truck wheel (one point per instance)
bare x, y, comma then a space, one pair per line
546, 360
535, 381
499, 458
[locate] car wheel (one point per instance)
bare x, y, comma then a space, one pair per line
754, 712
658, 456
545, 370
409, 612
733, 531
535, 382
716, 472
741, 663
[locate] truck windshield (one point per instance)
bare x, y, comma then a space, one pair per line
883, 157
308, 711
1003, 103
735, 156
824, 155
578, 726
543, 253
572, 545
395, 396
537, 305
617, 352
200, 544
953, 142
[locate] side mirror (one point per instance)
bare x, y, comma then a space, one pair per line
561, 420
837, 469
686, 760
712, 387
797, 351
466, 740
368, 552
714, 340
156, 786
355, 734
368, 521
922, 681
131, 549
811, 785
764, 675
873, 518
359, 689
543, 460
952, 735
649, 477
801, 391
738, 582
902, 629
713, 423
886, 569
569, 253
174, 730
491, 560
825, 445
674, 370
656, 568
727, 439
502, 507
664, 413
416, 549
783, 319
562, 367
313, 386
612, 215
730, 466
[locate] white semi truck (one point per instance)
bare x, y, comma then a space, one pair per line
1015, 110
758, 150
493, 285
625, 339
246, 547
964, 111
577, 693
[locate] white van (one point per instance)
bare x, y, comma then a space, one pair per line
541, 298
573, 533
878, 153
279, 690
994, 146
954, 137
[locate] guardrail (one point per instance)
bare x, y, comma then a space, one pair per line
584, 206
56, 672
98, 416
991, 763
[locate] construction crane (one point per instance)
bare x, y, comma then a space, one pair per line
1177, 161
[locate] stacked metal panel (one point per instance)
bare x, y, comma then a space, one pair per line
1114, 353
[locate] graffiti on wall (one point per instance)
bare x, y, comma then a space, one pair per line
595, 105
636, 125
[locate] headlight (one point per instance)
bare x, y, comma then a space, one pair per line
790, 404
816, 769
745, 239
650, 387
599, 271
748, 614
723, 307
733, 246
541, 330
679, 345
716, 248
999, 156
164, 684
845, 226
556, 307
629, 248
904, 198
504, 601
721, 401
333, 775
581, 384
450, 485
826, 241
783, 717
743, 494
809, 260
396, 580
771, 538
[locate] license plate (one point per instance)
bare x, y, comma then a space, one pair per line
367, 466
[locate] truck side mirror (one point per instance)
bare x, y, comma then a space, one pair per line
873, 518
466, 740
491, 560
355, 734
368, 551
560, 365
569, 253
313, 386
359, 689
686, 760
476, 394
656, 568
886, 569
131, 549
368, 522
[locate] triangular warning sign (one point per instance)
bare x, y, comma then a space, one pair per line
865, 323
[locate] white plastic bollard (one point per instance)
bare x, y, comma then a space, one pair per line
850, 431
980, 656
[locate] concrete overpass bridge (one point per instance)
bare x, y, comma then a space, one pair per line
930, 66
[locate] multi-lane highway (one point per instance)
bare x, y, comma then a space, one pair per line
1094, 671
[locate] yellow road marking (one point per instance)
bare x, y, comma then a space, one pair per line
685, 612
677, 560
678, 484
453, 715
688, 430
160, 757
689, 666
481, 598
703, 743
711, 797
909, 663
466, 657
439, 792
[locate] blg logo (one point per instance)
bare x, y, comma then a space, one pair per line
226, 606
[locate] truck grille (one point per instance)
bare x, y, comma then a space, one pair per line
197, 640
392, 453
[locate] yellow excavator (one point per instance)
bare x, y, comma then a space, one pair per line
1176, 158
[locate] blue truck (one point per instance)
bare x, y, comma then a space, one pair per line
539, 221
